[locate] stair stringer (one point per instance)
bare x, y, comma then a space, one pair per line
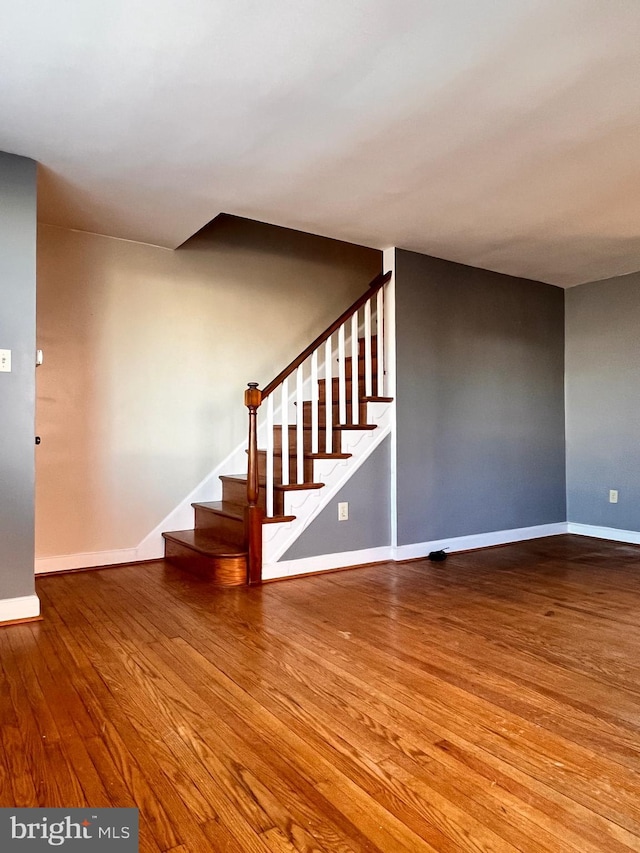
278, 537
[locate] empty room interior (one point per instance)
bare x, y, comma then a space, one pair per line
320, 404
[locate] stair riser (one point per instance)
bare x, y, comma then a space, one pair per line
374, 347
226, 529
220, 571
236, 492
322, 413
361, 365
277, 467
335, 389
277, 440
278, 501
361, 377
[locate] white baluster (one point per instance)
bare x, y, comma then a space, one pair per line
285, 431
314, 402
367, 350
342, 385
328, 394
299, 427
269, 472
380, 334
355, 381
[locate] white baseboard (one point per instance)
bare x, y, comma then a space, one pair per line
479, 540
325, 562
24, 607
69, 562
631, 537
287, 568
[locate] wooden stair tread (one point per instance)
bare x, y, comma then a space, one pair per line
298, 487
232, 510
205, 543
329, 455
293, 454
355, 426
335, 401
226, 508
242, 478
321, 427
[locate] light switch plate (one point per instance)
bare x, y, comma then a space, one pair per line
5, 361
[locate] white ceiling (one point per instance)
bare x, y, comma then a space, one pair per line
503, 134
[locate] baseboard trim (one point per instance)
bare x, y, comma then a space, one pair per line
348, 559
11, 609
630, 537
325, 563
90, 560
479, 540
19, 609
345, 559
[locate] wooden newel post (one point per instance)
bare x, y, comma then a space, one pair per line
253, 514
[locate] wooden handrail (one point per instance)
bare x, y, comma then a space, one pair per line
378, 282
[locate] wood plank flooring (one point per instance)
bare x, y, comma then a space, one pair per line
488, 703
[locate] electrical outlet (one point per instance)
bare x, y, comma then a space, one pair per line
5, 361
343, 511
613, 496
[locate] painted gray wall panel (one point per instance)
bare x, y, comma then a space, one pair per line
17, 389
603, 402
369, 510
480, 400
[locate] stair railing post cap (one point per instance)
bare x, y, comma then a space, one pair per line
252, 396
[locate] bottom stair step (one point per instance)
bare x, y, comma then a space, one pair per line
200, 553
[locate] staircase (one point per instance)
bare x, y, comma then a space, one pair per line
298, 434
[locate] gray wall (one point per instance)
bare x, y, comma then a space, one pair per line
369, 510
480, 400
603, 402
17, 389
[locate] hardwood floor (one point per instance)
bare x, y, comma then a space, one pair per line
488, 703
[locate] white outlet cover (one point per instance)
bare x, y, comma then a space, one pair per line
343, 511
5, 361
